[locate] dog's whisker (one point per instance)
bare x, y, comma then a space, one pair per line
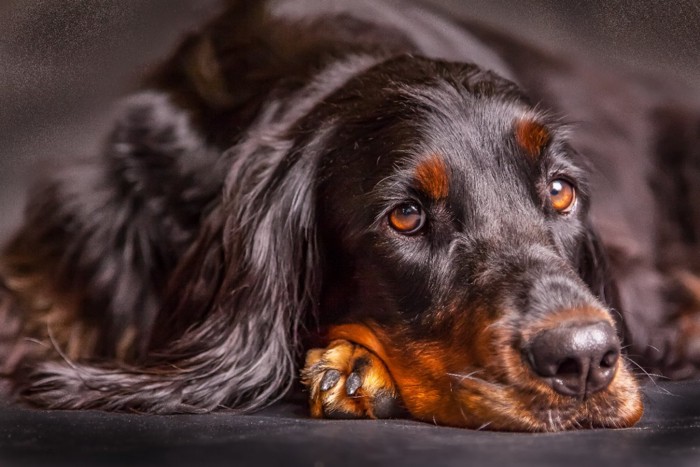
36, 341
484, 425
650, 376
465, 376
57, 348
550, 419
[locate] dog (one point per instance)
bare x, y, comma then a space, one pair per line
395, 194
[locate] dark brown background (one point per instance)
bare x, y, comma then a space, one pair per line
63, 63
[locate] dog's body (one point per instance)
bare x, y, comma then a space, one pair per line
348, 177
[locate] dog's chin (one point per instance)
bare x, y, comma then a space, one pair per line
495, 406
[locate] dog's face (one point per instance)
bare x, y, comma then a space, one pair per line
453, 228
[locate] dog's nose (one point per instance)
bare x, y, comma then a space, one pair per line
576, 359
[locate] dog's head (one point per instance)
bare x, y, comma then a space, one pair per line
453, 225
429, 213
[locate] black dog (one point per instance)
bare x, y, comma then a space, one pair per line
350, 179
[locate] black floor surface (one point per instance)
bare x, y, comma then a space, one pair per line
668, 435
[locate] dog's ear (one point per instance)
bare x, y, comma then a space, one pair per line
227, 332
594, 268
249, 279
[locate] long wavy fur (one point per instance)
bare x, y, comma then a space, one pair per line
245, 282
226, 333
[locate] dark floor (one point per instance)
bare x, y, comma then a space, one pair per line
668, 435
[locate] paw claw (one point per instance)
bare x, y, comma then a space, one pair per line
330, 379
353, 383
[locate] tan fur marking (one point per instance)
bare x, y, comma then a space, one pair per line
691, 283
50, 319
419, 373
341, 356
531, 135
431, 175
204, 71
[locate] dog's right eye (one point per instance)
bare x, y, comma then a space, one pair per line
407, 218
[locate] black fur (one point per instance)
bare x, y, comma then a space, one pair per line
241, 201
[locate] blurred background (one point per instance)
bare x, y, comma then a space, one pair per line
63, 63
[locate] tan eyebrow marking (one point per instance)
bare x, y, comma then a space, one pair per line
531, 135
431, 175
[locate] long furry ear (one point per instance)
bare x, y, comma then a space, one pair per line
594, 268
227, 332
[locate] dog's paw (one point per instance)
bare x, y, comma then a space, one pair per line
346, 380
682, 356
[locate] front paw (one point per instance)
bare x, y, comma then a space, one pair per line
682, 358
346, 380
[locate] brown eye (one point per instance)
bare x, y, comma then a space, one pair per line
407, 218
562, 195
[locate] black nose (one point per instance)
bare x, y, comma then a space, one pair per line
576, 359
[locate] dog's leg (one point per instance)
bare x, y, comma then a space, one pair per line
101, 237
676, 185
345, 380
682, 359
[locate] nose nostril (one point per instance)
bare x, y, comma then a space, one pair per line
609, 360
568, 367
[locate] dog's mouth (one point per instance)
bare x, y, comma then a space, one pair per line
439, 385
512, 407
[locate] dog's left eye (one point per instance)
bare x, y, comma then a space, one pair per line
407, 218
562, 196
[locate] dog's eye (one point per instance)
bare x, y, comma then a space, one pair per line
407, 218
562, 195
